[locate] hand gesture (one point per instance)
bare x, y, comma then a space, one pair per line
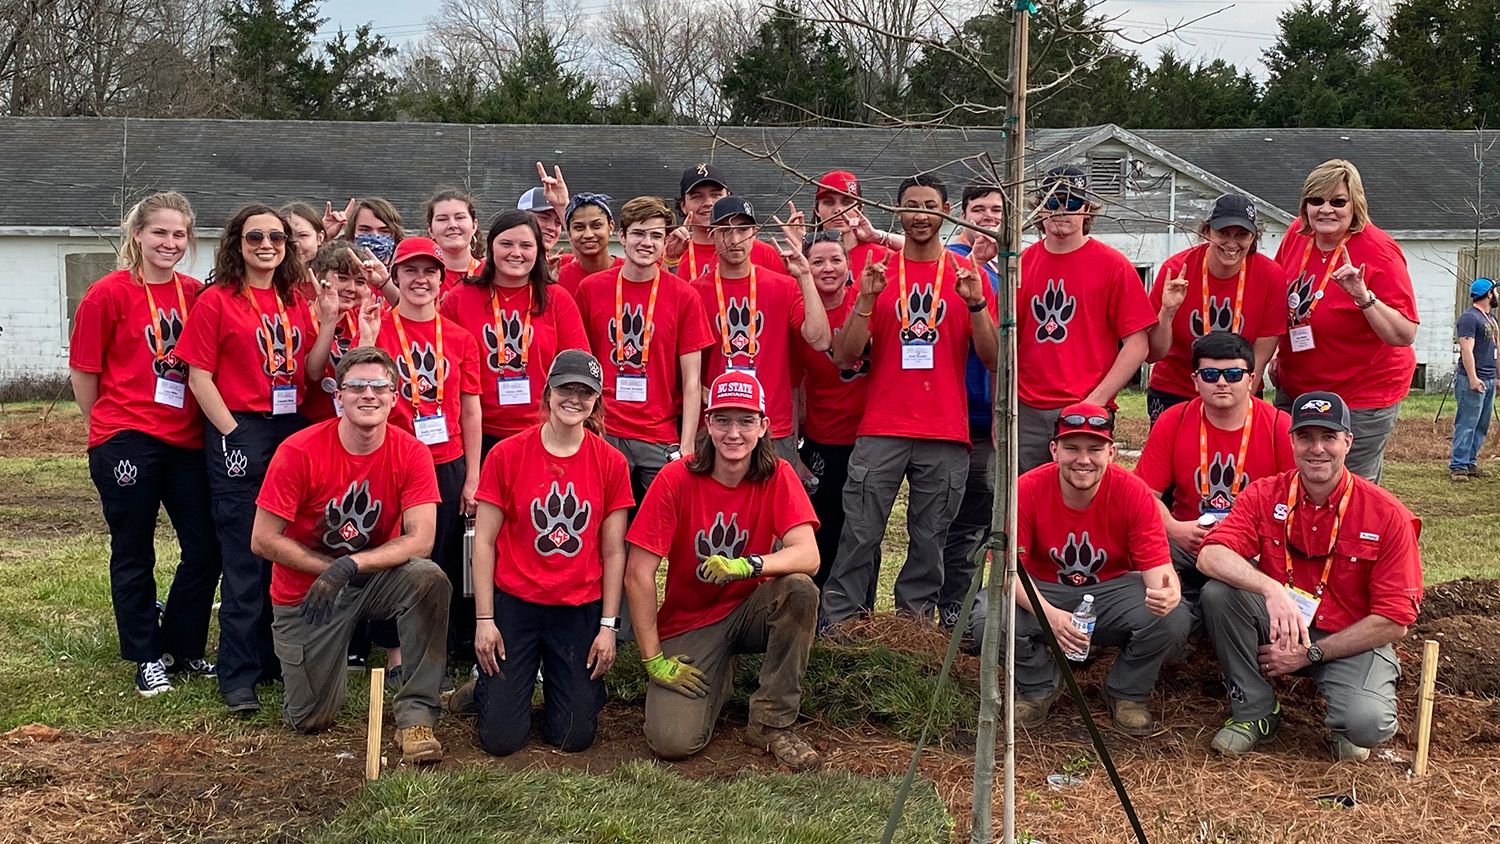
334, 221
489, 648
1070, 637
968, 285
796, 262
1288, 630
1188, 535
677, 244
721, 571
601, 653
1175, 291
553, 187
1352, 279
375, 273
985, 250
327, 303
1165, 594
795, 226
872, 280
678, 674
554, 262
370, 314
864, 232
317, 606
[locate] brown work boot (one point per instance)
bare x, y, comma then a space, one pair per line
1131, 717
788, 748
1033, 713
418, 745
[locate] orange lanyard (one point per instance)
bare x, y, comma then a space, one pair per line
692, 256
1239, 463
317, 324
439, 364
1333, 261
525, 338
904, 306
1333, 535
729, 351
1239, 296
286, 328
650, 327
161, 347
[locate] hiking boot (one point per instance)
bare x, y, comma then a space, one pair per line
1459, 476
151, 678
1476, 472
418, 745
1131, 717
461, 702
242, 701
1033, 713
1236, 738
1345, 750
787, 747
190, 667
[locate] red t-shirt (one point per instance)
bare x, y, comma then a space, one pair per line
453, 278
1261, 312
1072, 312
678, 327
572, 273
835, 398
1377, 568
929, 404
1119, 532
548, 551
227, 337
115, 336
460, 359
777, 326
556, 328
320, 404
864, 254
1342, 336
1172, 459
338, 503
701, 258
687, 518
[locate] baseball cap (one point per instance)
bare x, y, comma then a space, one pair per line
1481, 288
534, 200
729, 207
831, 183
1232, 209
1085, 418
700, 174
417, 247
736, 390
1322, 410
1069, 181
575, 366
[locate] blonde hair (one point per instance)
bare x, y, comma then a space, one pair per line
1327, 178
140, 214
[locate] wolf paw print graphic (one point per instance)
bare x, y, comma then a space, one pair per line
739, 331
560, 520
722, 537
627, 338
284, 346
505, 357
125, 473
1220, 317
1221, 476
1078, 562
349, 520
235, 463
1299, 300
167, 327
422, 373
1053, 310
924, 319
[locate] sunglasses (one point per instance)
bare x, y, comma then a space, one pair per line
359, 385
1072, 203
1317, 201
257, 236
1096, 423
1234, 374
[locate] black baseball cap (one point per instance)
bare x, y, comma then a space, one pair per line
700, 174
575, 366
1232, 209
1320, 410
1067, 181
729, 207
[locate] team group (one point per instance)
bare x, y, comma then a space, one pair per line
323, 418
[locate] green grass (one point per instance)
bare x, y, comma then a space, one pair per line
638, 802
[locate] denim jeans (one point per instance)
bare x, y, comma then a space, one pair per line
1471, 424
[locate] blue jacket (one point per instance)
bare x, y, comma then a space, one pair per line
979, 381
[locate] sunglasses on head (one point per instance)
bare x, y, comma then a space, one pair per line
1317, 201
1233, 374
1097, 423
1072, 203
256, 236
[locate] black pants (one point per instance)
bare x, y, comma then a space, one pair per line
137, 475
1157, 402
558, 639
236, 466
971, 527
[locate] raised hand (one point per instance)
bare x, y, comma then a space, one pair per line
334, 221
375, 273
985, 250
678, 243
796, 262
1175, 291
872, 280
327, 303
1352, 279
554, 188
795, 226
968, 285
370, 313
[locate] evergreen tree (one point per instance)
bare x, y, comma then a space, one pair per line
1320, 67
793, 73
1176, 94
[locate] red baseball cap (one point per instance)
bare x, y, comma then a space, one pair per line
417, 247
1085, 418
736, 390
829, 184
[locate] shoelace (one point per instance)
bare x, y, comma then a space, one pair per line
419, 733
154, 673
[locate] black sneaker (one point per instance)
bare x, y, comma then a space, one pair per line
242, 701
357, 662
151, 678
190, 667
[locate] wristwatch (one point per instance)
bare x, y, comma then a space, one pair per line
1314, 654
610, 621
756, 564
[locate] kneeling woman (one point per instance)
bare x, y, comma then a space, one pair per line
550, 534
718, 519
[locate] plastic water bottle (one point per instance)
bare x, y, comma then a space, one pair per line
1083, 622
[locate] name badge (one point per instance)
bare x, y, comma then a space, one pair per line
916, 355
1301, 337
515, 390
630, 388
748, 370
431, 430
283, 400
170, 393
1306, 603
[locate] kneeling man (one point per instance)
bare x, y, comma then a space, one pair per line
1335, 579
346, 515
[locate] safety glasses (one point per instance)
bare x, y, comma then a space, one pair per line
1096, 423
359, 385
256, 236
1070, 204
1317, 201
1211, 374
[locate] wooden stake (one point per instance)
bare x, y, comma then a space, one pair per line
377, 718
1424, 705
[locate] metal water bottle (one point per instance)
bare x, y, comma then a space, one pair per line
468, 556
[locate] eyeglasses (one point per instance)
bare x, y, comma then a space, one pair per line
1072, 203
1317, 201
1233, 374
577, 392
1096, 423
257, 236
359, 385
724, 423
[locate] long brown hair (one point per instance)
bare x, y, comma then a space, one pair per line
539, 278
595, 421
229, 264
763, 458
140, 214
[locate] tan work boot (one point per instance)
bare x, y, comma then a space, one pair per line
1131, 717
1033, 713
786, 746
418, 745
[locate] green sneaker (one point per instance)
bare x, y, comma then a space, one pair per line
1236, 738
1345, 750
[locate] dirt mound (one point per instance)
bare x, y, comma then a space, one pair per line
1469, 661
1468, 596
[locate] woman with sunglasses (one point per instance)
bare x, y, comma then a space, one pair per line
1222, 284
250, 347
1366, 315
453, 224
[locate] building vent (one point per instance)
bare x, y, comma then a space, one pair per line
1107, 176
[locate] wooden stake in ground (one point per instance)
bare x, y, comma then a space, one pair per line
1424, 705
377, 717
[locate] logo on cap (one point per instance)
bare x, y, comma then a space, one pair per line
1250, 212
749, 210
1317, 405
595, 370
703, 169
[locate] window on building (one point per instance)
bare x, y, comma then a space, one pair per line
81, 269
1488, 266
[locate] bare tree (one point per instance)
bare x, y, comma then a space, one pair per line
884, 36
678, 48
486, 36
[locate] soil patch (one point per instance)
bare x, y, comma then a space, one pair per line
42, 431
1466, 596
1468, 661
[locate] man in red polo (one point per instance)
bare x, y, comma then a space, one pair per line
1337, 579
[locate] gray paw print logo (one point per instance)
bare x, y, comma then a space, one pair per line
628, 336
739, 330
168, 327
1053, 310
125, 473
560, 520
235, 463
1078, 562
349, 520
425, 378
283, 346
507, 355
1220, 317
1221, 475
722, 537
1299, 300
817, 465
923, 318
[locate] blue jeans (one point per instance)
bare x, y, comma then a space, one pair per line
1471, 424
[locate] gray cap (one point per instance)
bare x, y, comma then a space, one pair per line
534, 200
1233, 209
575, 366
1320, 410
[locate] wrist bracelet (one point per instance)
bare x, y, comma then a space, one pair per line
977, 307
484, 618
865, 314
